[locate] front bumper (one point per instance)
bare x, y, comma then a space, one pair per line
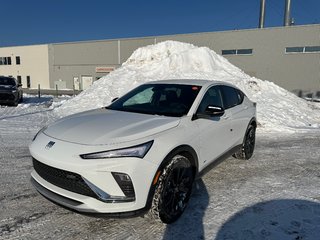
8, 97
100, 191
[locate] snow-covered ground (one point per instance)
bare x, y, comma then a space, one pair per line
274, 195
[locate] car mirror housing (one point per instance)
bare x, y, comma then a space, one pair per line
210, 111
214, 111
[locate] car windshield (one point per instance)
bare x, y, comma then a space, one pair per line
158, 99
7, 81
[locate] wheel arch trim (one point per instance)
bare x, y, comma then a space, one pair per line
185, 150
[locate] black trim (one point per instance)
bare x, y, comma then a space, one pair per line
183, 150
47, 193
218, 160
67, 180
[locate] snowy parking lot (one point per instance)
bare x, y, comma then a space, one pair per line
274, 195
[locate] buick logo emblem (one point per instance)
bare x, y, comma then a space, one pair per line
50, 145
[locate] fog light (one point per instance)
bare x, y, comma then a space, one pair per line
125, 183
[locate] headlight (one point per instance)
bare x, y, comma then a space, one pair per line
41, 130
136, 151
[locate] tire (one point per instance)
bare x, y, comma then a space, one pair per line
173, 190
15, 103
248, 144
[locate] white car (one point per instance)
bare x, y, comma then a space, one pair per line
144, 151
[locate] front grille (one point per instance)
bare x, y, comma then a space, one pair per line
64, 179
6, 96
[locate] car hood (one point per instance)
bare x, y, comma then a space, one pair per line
103, 126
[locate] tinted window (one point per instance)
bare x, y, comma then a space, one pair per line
312, 49
212, 97
160, 99
244, 51
240, 96
294, 49
229, 52
7, 81
231, 97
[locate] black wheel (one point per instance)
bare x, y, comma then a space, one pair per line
173, 190
247, 148
21, 99
15, 103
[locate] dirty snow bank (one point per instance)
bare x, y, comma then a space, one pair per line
277, 108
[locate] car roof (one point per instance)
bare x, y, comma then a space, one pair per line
5, 77
197, 82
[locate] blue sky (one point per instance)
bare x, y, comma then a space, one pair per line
26, 22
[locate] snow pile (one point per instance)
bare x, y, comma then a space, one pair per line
277, 109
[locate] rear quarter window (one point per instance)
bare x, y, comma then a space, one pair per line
231, 96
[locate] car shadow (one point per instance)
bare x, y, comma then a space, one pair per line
273, 220
190, 224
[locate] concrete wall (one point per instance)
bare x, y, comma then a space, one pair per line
81, 59
34, 63
269, 60
71, 60
62, 64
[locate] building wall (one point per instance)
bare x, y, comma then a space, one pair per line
69, 61
269, 60
33, 63
80, 63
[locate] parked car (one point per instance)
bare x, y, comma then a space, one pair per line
10, 91
144, 151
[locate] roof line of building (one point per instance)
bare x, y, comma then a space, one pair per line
168, 35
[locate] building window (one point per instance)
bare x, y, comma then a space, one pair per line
294, 49
229, 52
248, 51
28, 82
19, 79
5, 60
312, 49
244, 51
307, 49
18, 60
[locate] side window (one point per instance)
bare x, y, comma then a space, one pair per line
212, 97
231, 97
240, 96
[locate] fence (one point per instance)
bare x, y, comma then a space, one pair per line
56, 92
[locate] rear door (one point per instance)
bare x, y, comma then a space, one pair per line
232, 99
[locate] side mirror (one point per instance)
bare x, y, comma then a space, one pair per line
214, 111
211, 111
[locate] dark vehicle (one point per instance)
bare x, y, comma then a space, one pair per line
10, 91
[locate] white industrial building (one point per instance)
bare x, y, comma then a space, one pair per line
288, 56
